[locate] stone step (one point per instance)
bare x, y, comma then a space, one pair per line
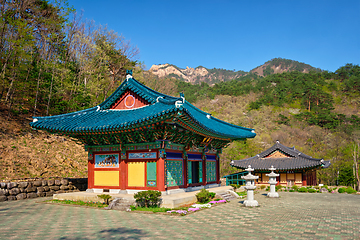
227, 196
121, 204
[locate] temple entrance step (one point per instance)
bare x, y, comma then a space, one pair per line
121, 204
229, 195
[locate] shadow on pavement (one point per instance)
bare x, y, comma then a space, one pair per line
117, 233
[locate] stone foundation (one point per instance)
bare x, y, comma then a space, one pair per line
17, 190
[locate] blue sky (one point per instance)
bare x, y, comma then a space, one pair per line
234, 35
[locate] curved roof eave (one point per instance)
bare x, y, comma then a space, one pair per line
217, 126
160, 104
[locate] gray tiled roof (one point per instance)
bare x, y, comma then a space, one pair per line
295, 160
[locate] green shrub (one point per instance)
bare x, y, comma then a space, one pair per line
341, 190
295, 187
291, 190
149, 198
302, 189
311, 190
203, 196
105, 197
278, 187
350, 190
235, 186
267, 188
262, 187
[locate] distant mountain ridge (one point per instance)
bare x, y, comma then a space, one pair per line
195, 75
211, 76
280, 65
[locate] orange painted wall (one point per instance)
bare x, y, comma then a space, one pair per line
129, 100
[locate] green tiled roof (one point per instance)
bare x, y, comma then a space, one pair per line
103, 119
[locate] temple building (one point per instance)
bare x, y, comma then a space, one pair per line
295, 167
140, 139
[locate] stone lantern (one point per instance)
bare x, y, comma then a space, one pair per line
250, 187
272, 181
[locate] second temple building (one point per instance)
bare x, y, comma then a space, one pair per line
294, 167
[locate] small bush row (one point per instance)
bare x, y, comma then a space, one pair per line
311, 189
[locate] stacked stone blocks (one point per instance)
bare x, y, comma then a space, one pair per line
17, 190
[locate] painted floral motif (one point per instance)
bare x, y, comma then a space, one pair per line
142, 155
107, 160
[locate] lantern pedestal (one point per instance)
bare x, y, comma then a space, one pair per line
272, 181
250, 187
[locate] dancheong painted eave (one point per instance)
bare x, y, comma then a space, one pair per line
102, 119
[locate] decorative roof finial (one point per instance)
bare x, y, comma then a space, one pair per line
129, 74
182, 96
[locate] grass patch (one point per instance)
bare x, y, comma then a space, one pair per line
150, 209
242, 194
159, 209
78, 203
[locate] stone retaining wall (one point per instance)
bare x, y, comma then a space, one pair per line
40, 188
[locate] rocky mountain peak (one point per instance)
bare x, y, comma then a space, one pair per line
188, 74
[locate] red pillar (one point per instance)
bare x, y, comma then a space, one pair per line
91, 173
304, 179
204, 172
218, 170
185, 169
122, 172
161, 174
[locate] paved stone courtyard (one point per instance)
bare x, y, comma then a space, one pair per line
292, 216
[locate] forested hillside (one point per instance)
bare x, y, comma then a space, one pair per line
317, 112
53, 62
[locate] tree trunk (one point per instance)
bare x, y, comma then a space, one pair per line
356, 165
51, 86
10, 90
37, 91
